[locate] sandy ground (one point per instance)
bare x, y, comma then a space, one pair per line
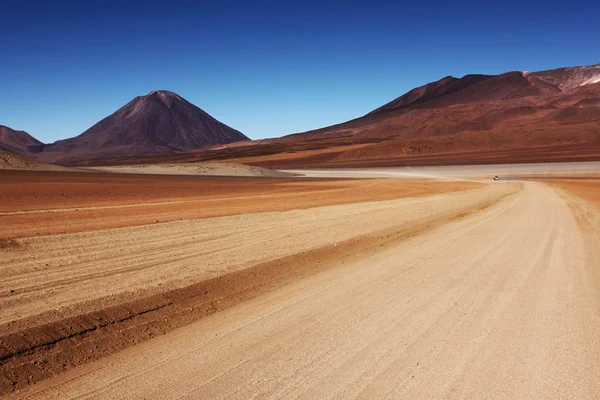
12, 161
39, 204
345, 152
450, 172
49, 273
358, 288
584, 189
206, 168
501, 303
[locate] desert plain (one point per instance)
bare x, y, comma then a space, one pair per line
354, 283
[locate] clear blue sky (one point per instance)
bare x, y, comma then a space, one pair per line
269, 68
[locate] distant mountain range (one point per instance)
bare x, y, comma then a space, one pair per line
514, 110
161, 122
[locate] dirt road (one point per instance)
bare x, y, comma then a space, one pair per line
66, 300
501, 302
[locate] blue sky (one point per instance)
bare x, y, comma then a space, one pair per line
267, 69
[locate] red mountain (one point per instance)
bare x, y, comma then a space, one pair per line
483, 88
161, 122
18, 142
516, 116
471, 89
475, 113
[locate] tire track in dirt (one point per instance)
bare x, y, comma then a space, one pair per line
39, 208
501, 303
37, 351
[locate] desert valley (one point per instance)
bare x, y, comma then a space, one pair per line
163, 254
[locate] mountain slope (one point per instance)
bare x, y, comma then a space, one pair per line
160, 122
524, 116
18, 142
480, 88
571, 77
514, 109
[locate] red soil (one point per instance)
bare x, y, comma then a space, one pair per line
588, 189
46, 203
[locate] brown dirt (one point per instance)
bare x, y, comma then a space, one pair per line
244, 152
47, 203
387, 158
6, 243
67, 301
199, 168
587, 189
37, 351
14, 161
445, 150
459, 311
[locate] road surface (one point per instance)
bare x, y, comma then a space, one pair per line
500, 303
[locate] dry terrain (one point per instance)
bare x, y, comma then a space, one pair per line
586, 189
16, 162
375, 153
50, 203
137, 286
199, 168
513, 117
566, 170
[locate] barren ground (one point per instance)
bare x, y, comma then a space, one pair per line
586, 189
201, 168
297, 288
580, 170
48, 203
344, 154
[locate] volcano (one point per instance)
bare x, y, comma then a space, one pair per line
554, 111
160, 122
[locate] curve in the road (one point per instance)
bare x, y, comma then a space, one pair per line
502, 304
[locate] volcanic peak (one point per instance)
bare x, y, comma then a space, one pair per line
164, 96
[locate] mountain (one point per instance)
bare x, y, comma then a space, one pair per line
18, 142
570, 78
471, 89
161, 122
482, 88
476, 113
514, 116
